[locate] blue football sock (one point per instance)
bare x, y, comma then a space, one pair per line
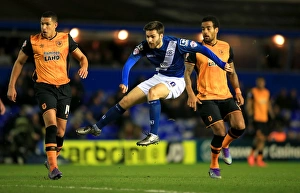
154, 111
111, 115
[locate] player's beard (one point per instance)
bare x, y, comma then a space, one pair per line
208, 39
155, 44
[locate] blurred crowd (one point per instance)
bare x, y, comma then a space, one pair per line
22, 129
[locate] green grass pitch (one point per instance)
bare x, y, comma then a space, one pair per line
278, 177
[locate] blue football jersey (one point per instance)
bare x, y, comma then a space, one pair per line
169, 58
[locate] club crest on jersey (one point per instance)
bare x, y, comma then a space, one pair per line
59, 43
184, 42
221, 52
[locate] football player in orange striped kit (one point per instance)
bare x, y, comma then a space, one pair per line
214, 101
50, 51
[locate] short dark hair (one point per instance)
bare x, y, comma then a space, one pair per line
50, 14
213, 19
155, 25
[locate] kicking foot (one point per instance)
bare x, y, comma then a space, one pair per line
150, 139
88, 129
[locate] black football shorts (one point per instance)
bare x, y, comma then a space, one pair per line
212, 111
54, 97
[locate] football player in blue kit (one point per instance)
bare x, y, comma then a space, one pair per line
167, 53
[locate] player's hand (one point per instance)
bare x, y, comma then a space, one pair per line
12, 94
239, 99
193, 101
83, 72
123, 88
228, 68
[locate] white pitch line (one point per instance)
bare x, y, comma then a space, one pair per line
99, 188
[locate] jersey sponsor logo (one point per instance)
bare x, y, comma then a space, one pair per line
169, 55
193, 44
184, 42
164, 65
211, 63
48, 56
170, 52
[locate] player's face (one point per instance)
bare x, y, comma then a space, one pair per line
260, 82
209, 32
154, 39
48, 27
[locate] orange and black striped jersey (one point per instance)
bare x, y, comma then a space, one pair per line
211, 79
51, 57
261, 99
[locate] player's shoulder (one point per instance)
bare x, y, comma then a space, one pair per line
170, 38
35, 36
141, 47
62, 34
223, 43
267, 91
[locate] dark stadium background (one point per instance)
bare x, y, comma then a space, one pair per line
248, 25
